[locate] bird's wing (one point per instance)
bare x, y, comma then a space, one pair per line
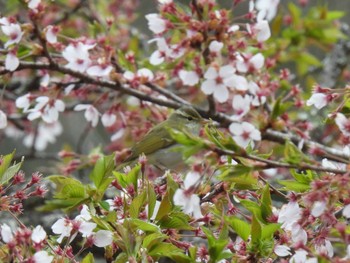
158, 138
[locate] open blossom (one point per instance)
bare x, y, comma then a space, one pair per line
108, 119
38, 234
318, 208
319, 100
189, 78
289, 214
189, 202
165, 51
3, 120
42, 257
11, 61
241, 106
156, 23
215, 47
46, 133
267, 9
91, 113
13, 31
6, 233
326, 248
346, 211
261, 30
23, 102
34, 4
217, 81
99, 70
343, 123
243, 133
47, 109
258, 97
77, 56
246, 63
143, 75
102, 238
51, 34
282, 251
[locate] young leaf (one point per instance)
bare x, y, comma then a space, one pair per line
241, 227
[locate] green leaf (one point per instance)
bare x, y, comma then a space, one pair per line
241, 227
144, 226
5, 163
253, 207
292, 154
130, 178
294, 186
175, 220
165, 207
256, 230
152, 198
170, 251
216, 246
89, 258
10, 172
153, 239
101, 174
295, 13
136, 205
266, 203
268, 230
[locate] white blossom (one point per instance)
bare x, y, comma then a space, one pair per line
267, 9
77, 56
91, 113
118, 134
156, 23
346, 211
217, 81
325, 248
282, 251
13, 31
11, 62
99, 70
165, 51
244, 63
189, 78
47, 109
108, 119
3, 120
42, 257
189, 202
103, 238
215, 47
241, 106
6, 233
243, 133
34, 4
51, 34
38, 234
319, 100
23, 102
318, 208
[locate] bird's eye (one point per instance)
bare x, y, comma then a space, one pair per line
189, 118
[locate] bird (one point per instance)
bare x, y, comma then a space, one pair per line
159, 147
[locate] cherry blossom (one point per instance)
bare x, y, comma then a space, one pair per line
282, 251
3, 120
47, 109
62, 227
99, 70
258, 99
38, 234
143, 75
108, 119
233, 28
243, 133
267, 9
13, 31
261, 30
102, 238
289, 214
77, 56
217, 81
189, 202
246, 63
241, 106
300, 256
6, 233
11, 61
346, 211
215, 47
156, 23
51, 34
91, 113
343, 123
46, 133
34, 4
42, 257
326, 248
165, 51
319, 100
23, 102
118, 134
189, 78
318, 208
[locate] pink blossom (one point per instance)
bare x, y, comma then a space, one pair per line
91, 113
243, 133
156, 23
